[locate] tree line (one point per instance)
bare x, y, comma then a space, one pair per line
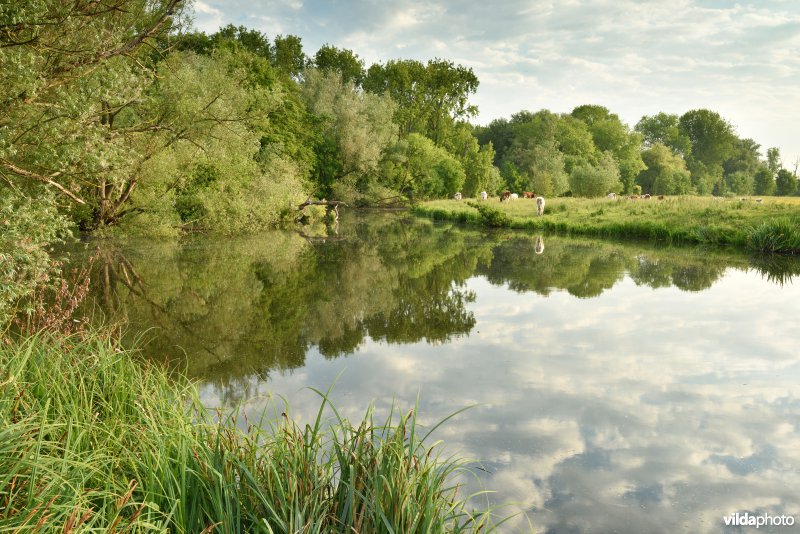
114, 115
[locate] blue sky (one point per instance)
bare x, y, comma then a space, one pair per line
636, 57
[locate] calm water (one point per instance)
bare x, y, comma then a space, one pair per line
616, 388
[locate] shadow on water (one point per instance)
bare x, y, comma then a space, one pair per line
229, 308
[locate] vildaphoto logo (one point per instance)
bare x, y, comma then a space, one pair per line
747, 519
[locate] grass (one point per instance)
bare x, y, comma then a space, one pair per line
92, 440
772, 225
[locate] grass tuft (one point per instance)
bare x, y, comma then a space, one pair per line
92, 440
780, 236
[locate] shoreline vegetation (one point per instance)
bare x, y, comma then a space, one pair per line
91, 438
769, 226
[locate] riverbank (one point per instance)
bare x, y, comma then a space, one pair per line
91, 438
772, 225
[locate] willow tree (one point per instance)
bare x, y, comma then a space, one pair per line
67, 72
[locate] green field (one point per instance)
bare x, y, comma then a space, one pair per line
772, 225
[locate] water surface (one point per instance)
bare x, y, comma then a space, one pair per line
616, 387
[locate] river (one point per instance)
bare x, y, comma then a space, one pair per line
613, 387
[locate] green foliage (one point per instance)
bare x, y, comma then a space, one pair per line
477, 161
289, 56
491, 217
541, 166
430, 98
746, 158
611, 135
500, 134
666, 172
356, 127
222, 173
740, 183
764, 182
786, 183
27, 229
512, 179
91, 439
70, 74
343, 61
588, 181
780, 236
663, 128
424, 170
713, 143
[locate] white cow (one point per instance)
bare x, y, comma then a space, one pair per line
540, 205
612, 196
457, 196
514, 196
484, 195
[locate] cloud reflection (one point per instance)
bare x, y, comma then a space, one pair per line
638, 411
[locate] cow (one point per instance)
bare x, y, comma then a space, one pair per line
528, 194
505, 196
457, 196
612, 196
540, 206
484, 195
646, 196
514, 196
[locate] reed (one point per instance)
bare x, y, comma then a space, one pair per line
780, 236
93, 440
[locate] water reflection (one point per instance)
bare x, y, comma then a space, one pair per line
661, 399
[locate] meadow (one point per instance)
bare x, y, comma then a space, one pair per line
772, 225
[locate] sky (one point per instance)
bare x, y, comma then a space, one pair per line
635, 57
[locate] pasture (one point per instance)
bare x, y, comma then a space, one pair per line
772, 225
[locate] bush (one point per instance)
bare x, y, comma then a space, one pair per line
491, 217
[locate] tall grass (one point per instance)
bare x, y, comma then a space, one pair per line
770, 225
91, 440
777, 236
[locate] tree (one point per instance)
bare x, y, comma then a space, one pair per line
746, 158
424, 170
774, 160
541, 166
786, 183
611, 135
252, 40
289, 57
500, 134
207, 163
341, 60
764, 182
431, 98
355, 127
664, 128
666, 172
740, 183
70, 74
713, 142
595, 181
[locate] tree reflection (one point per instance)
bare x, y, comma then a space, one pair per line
226, 310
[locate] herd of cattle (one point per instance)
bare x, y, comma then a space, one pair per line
508, 196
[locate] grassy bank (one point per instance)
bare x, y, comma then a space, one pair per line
92, 440
772, 225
